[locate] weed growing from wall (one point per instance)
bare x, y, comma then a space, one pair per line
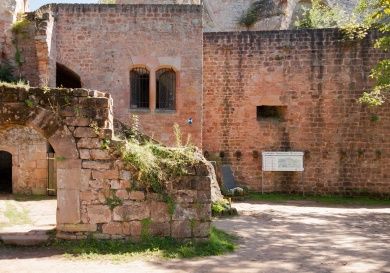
155, 163
113, 201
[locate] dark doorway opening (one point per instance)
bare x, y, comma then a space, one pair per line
66, 78
5, 172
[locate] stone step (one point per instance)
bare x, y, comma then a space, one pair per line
24, 239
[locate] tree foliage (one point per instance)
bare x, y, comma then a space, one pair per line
369, 14
377, 15
319, 16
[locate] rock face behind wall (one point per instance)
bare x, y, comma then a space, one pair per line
316, 78
97, 193
8, 13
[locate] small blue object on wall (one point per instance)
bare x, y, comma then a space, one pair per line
189, 121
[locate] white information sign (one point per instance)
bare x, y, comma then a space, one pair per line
282, 161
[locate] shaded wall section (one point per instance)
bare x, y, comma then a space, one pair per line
316, 78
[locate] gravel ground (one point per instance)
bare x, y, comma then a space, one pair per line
291, 237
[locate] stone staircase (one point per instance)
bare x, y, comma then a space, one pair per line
26, 236
30, 238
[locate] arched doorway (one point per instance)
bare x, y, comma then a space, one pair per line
5, 172
67, 78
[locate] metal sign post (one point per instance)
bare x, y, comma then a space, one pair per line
282, 162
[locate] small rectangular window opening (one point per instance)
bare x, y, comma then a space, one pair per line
271, 113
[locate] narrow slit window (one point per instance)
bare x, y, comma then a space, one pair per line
165, 89
139, 83
270, 112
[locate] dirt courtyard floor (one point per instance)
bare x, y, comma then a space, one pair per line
290, 237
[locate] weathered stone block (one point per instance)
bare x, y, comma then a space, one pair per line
88, 196
122, 194
204, 196
159, 212
77, 121
84, 179
160, 229
125, 175
89, 143
99, 214
137, 195
132, 211
185, 196
86, 132
96, 165
99, 154
201, 229
112, 228
132, 228
84, 154
181, 229
204, 211
115, 184
77, 227
68, 206
182, 212
68, 179
107, 174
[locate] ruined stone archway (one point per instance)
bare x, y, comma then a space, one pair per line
96, 193
62, 117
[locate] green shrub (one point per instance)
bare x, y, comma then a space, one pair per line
155, 163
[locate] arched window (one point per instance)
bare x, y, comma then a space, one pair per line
139, 85
165, 89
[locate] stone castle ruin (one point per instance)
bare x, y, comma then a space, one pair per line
234, 93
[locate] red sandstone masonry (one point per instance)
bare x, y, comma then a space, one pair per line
318, 77
102, 43
86, 185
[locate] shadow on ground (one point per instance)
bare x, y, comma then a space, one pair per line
271, 238
290, 238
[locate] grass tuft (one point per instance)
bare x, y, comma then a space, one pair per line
120, 250
15, 215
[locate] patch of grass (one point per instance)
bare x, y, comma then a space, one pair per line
324, 199
222, 208
120, 250
15, 215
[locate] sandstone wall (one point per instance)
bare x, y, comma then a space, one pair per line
318, 78
29, 159
97, 193
101, 43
